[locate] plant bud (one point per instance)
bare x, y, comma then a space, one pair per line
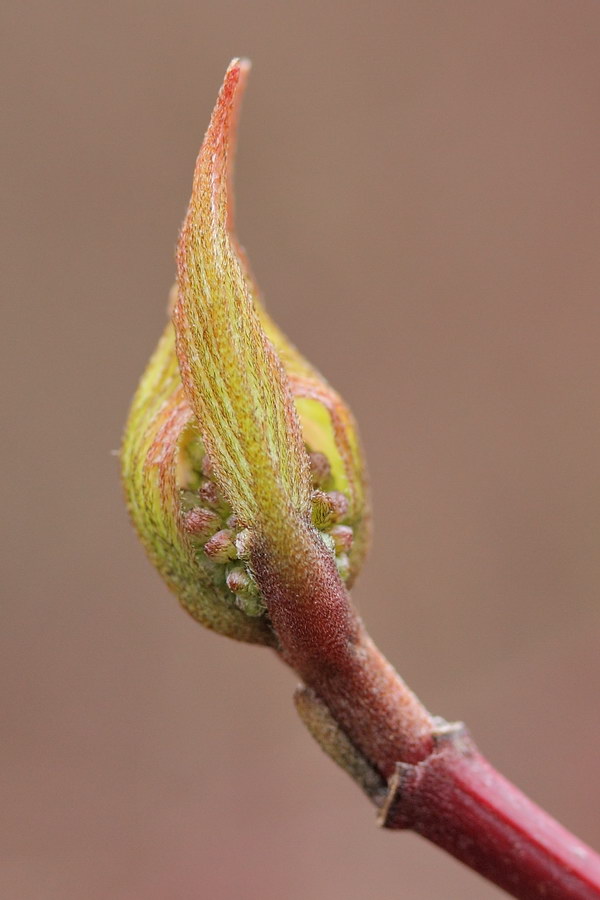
242, 544
247, 596
209, 493
343, 565
239, 581
231, 429
221, 547
328, 508
200, 523
342, 536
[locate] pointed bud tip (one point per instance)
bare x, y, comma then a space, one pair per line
240, 63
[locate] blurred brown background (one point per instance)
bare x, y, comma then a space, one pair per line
418, 190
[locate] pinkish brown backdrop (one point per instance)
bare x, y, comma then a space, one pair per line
418, 189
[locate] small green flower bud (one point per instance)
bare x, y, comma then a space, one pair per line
239, 581
242, 544
343, 536
200, 523
328, 508
339, 503
343, 565
209, 494
247, 595
221, 547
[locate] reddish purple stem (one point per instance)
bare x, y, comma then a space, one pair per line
456, 799
439, 784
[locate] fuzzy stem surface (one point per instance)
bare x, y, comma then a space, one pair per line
440, 786
456, 799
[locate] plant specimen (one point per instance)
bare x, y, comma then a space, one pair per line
246, 481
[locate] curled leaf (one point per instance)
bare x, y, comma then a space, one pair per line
233, 378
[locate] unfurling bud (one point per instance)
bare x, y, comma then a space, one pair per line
232, 435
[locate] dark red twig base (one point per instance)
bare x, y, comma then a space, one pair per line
439, 785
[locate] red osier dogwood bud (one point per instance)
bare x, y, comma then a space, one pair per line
232, 433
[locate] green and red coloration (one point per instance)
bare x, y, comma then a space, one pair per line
245, 480
231, 423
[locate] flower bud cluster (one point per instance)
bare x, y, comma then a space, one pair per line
220, 544
329, 510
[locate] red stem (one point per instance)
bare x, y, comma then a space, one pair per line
456, 799
439, 784
324, 640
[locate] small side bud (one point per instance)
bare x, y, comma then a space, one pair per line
239, 581
221, 547
247, 595
339, 504
342, 536
242, 544
328, 508
343, 565
230, 421
200, 523
209, 494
